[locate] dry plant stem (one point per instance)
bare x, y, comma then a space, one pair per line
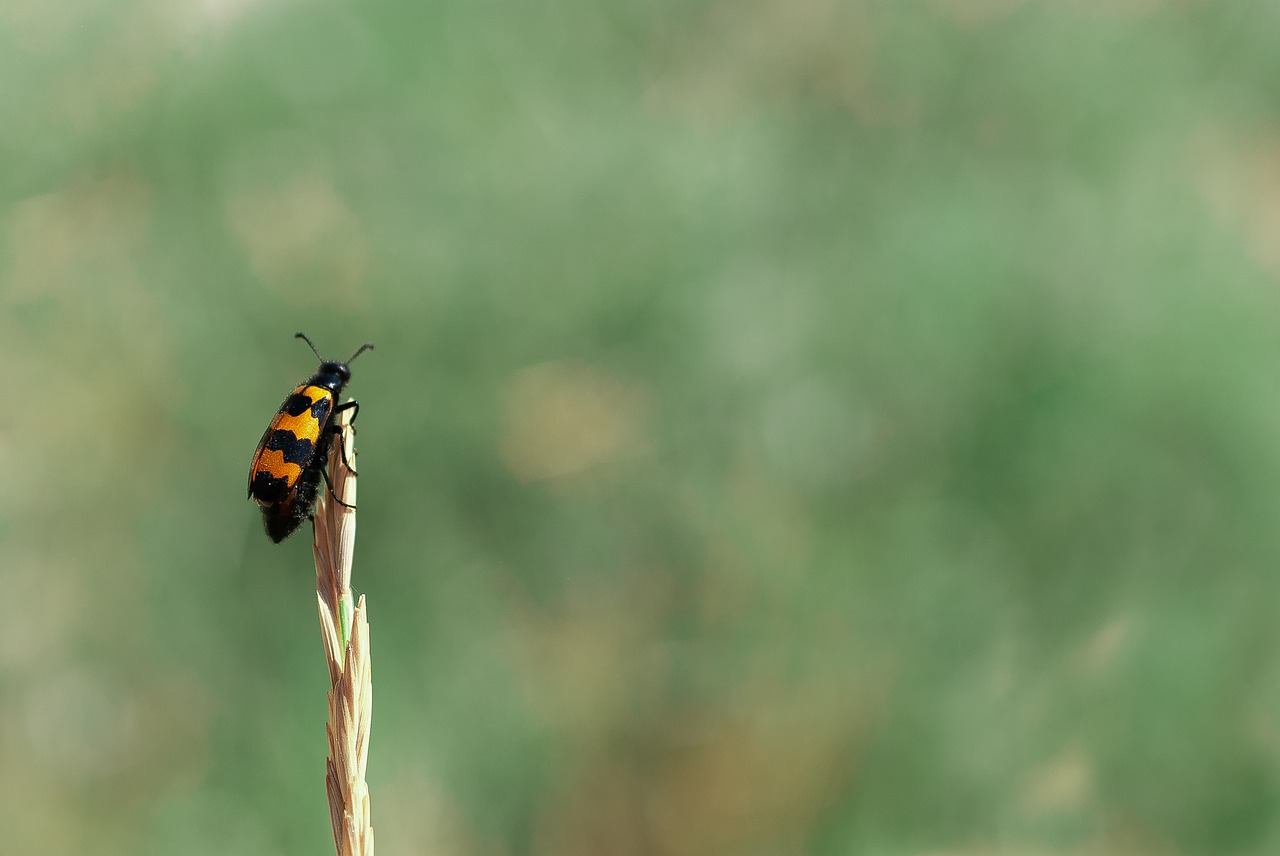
345, 632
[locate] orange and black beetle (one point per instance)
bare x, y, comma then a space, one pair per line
291, 457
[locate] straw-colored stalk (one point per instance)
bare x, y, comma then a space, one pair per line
345, 632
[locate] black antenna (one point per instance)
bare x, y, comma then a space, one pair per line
304, 337
367, 346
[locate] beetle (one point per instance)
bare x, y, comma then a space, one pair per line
290, 460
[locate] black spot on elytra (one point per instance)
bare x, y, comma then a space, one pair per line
281, 520
320, 410
296, 404
295, 451
267, 488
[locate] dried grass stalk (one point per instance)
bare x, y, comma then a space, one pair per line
345, 632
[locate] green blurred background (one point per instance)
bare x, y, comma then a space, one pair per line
796, 426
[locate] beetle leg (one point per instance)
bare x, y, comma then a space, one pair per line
329, 485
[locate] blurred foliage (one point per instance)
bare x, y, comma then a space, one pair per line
805, 427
